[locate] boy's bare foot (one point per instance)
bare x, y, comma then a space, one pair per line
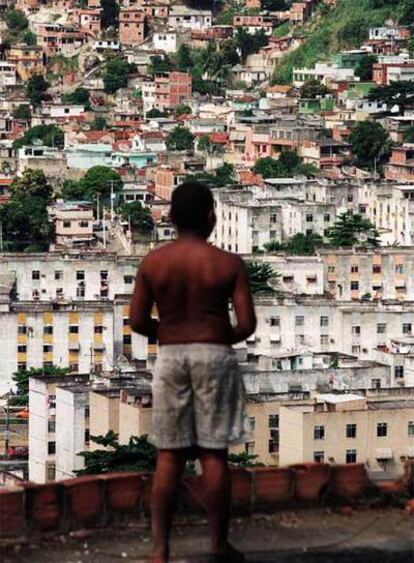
228, 554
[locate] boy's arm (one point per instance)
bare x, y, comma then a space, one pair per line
142, 301
243, 306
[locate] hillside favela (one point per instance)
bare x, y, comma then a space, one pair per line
299, 118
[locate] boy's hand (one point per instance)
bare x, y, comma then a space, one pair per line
141, 306
243, 306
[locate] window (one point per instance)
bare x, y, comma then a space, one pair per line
354, 269
80, 292
51, 448
319, 432
356, 349
376, 269
354, 285
84, 224
127, 339
51, 426
273, 421
51, 471
324, 340
47, 348
351, 456
407, 328
35, 275
327, 217
58, 275
309, 217
399, 268
351, 430
128, 279
411, 428
252, 423
48, 330
87, 436
299, 321
273, 446
73, 329
319, 457
273, 217
21, 349
381, 429
104, 275
274, 321
324, 321
87, 411
356, 329
80, 275
98, 329
331, 269
249, 448
398, 371
22, 329
381, 328
376, 383
66, 224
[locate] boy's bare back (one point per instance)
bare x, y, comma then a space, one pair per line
191, 283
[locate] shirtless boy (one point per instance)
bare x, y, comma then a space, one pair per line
198, 393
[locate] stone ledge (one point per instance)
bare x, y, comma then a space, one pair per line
96, 500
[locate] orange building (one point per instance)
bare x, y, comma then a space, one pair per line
166, 180
28, 60
131, 26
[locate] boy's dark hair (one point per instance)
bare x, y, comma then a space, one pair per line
191, 202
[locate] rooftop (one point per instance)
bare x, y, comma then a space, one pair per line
310, 513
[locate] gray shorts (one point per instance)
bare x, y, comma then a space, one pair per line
198, 397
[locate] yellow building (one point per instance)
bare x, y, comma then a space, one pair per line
28, 60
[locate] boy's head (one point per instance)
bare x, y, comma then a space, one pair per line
192, 209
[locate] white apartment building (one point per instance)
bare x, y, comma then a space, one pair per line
8, 74
348, 428
43, 432
168, 41
324, 72
247, 221
379, 274
187, 18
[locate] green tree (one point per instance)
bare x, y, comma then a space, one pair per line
29, 38
26, 224
110, 13
36, 88
154, 113
99, 179
80, 96
182, 109
159, 65
351, 229
363, 68
225, 175
99, 123
183, 58
313, 88
16, 20
369, 142
22, 112
398, 93
139, 216
21, 380
259, 274
72, 191
409, 134
274, 5
248, 43
268, 167
180, 139
303, 244
48, 135
244, 460
137, 455
116, 75
33, 183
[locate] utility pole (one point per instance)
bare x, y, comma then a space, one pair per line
7, 431
97, 205
1, 237
104, 225
112, 201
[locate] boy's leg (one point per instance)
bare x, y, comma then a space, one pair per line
217, 495
170, 467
